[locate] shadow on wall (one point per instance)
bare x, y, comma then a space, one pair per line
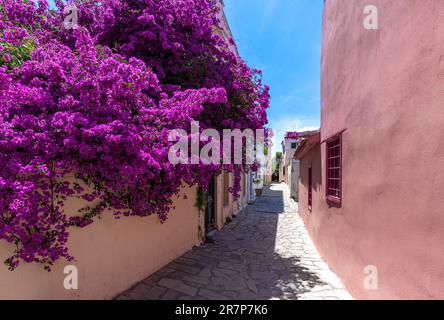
315, 160
241, 264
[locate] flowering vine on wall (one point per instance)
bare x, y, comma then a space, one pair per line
99, 101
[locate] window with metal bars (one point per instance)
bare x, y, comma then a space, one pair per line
334, 170
310, 188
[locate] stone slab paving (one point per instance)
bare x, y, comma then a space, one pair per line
264, 253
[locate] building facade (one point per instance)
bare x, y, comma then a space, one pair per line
294, 179
372, 181
225, 205
289, 145
290, 165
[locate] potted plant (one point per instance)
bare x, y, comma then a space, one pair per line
258, 189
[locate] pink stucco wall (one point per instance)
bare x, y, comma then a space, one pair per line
111, 255
386, 88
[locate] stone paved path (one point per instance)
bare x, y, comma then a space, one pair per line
264, 253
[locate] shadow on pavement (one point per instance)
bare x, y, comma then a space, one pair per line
243, 262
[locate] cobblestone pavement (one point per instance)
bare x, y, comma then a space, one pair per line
264, 253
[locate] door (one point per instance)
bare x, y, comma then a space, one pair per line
210, 214
310, 188
252, 191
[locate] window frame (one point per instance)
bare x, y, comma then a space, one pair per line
334, 200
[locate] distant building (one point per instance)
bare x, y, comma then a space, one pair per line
289, 171
289, 145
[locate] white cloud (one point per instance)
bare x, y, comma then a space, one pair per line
290, 123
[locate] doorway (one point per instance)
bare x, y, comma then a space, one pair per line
210, 212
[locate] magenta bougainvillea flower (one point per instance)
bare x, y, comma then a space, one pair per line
98, 101
292, 135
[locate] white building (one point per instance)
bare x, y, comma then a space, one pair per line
289, 145
289, 169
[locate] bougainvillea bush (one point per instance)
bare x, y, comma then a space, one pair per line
98, 101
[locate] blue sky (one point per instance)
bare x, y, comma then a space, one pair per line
283, 38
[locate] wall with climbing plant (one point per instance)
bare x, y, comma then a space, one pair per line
85, 114
99, 100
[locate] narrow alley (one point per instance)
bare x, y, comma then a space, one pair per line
264, 253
